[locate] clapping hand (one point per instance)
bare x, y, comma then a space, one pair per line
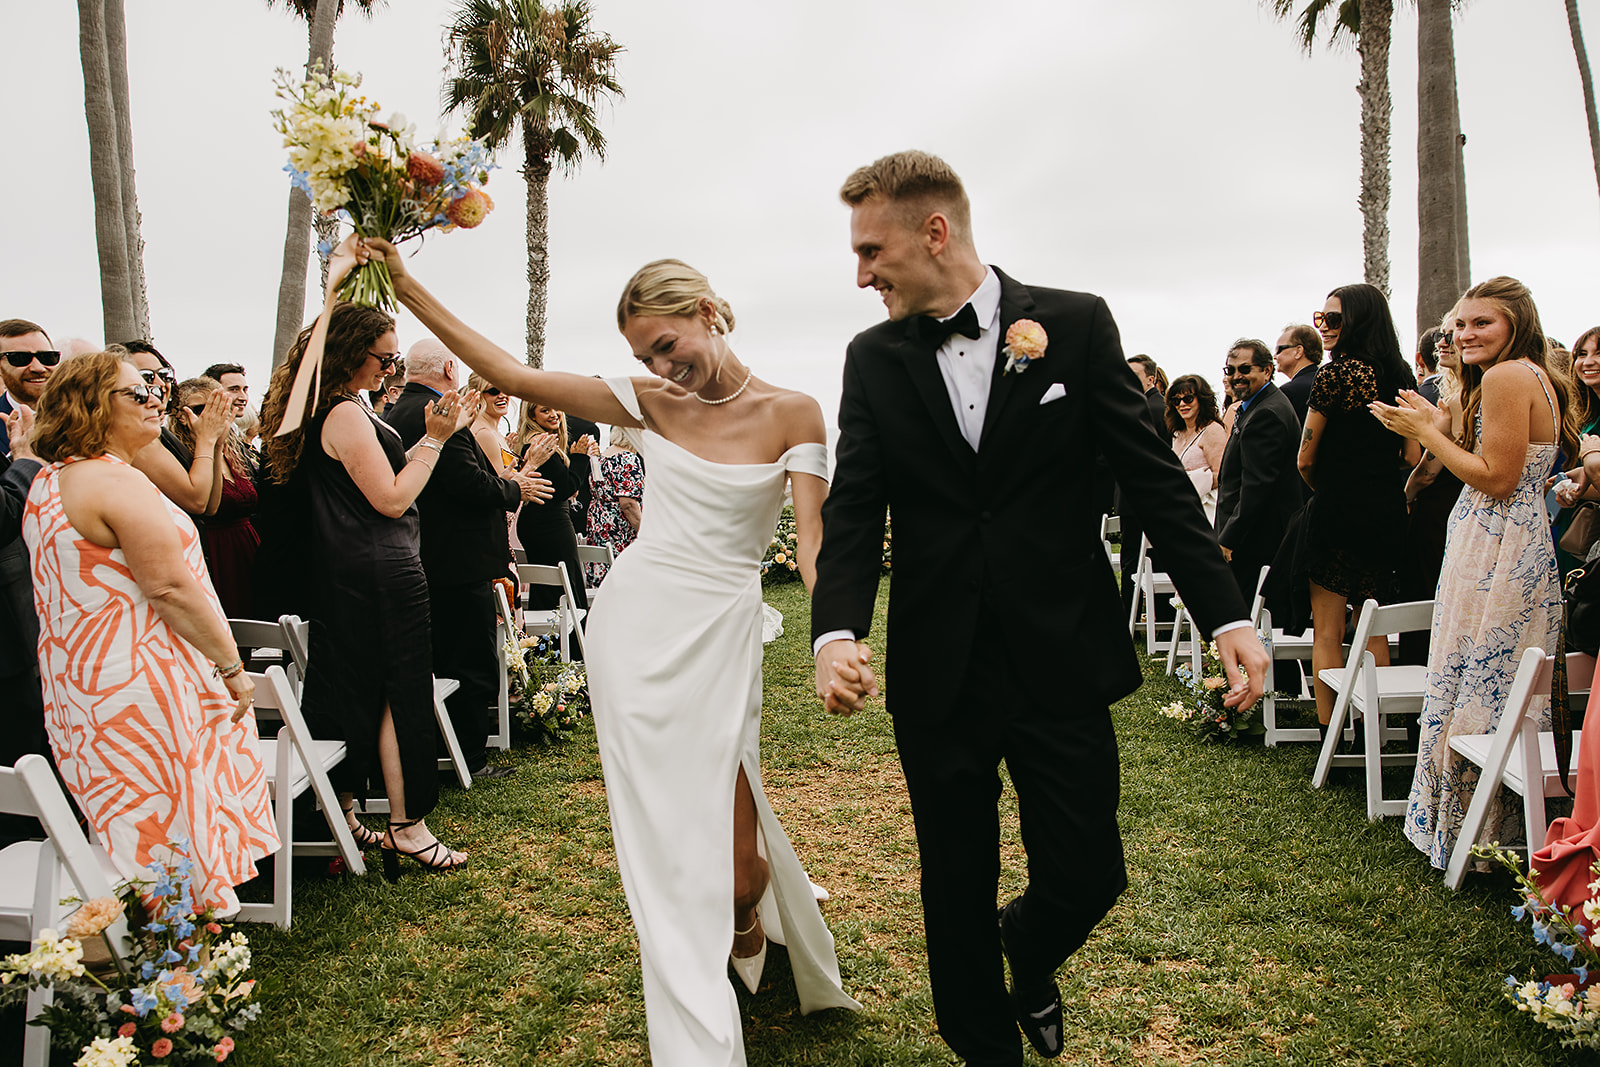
540, 449
18, 425
212, 422
446, 415
584, 446
844, 676
534, 488
1411, 415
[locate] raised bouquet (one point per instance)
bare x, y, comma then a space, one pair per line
1203, 711
548, 696
372, 173
176, 995
1566, 1003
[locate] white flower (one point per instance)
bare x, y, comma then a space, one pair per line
103, 1052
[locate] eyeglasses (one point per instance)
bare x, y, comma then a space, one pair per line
1279, 350
1331, 320
164, 373
1186, 398
141, 394
22, 359
1240, 371
490, 392
387, 360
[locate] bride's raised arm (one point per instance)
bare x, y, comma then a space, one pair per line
576, 394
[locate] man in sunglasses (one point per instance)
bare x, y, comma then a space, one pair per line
1258, 485
27, 359
1298, 352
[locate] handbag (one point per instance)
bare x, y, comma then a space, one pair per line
1582, 532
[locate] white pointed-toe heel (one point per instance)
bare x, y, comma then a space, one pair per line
749, 968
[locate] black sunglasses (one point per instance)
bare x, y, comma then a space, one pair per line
1280, 348
22, 359
1447, 338
164, 373
1186, 398
141, 394
490, 392
198, 409
387, 360
1332, 320
1240, 371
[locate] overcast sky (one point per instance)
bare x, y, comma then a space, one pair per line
1181, 158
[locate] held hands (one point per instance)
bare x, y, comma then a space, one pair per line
212, 422
1411, 415
844, 678
243, 690
540, 449
1242, 648
534, 488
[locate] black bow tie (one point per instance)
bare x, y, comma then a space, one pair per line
936, 332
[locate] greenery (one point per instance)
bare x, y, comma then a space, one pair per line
1265, 922
781, 563
549, 698
1203, 709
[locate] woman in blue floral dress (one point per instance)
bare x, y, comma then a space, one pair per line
1498, 591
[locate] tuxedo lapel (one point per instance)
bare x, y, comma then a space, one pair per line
922, 364
1015, 303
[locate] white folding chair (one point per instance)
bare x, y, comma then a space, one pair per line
503, 633
31, 884
297, 762
563, 620
263, 639
1110, 524
1518, 755
1148, 585
601, 554
1375, 693
297, 642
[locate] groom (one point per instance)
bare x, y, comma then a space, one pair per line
1009, 637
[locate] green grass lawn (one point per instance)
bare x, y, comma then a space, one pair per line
1266, 922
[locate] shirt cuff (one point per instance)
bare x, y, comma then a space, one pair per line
1224, 628
831, 635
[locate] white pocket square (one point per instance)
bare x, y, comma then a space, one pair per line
1055, 392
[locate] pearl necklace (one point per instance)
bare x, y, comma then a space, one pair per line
731, 396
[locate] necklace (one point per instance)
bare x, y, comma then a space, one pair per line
731, 396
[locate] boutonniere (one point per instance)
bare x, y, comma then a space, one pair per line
1025, 342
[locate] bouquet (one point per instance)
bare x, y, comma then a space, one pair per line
1566, 1003
371, 172
549, 697
181, 997
1204, 711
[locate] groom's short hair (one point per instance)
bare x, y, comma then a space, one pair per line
920, 182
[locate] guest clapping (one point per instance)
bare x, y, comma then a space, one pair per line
229, 539
369, 681
151, 728
545, 527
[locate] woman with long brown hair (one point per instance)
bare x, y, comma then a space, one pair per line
1197, 435
369, 678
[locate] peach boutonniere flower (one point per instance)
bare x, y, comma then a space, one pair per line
1025, 342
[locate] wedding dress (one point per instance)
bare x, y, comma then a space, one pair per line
675, 680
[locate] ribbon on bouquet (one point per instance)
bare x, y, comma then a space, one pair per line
307, 385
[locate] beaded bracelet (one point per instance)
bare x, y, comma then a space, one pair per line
234, 669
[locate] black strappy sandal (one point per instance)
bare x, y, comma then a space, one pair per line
427, 858
366, 838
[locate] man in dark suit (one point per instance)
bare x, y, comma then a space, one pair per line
1298, 353
464, 548
978, 450
1149, 375
22, 724
1258, 483
580, 454
26, 359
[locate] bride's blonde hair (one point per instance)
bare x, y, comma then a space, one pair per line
670, 287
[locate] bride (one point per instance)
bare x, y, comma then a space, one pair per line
675, 649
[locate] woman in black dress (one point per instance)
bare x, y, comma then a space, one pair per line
369, 676
545, 527
1354, 526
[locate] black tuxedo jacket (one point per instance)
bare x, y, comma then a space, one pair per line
19, 620
1297, 391
463, 507
1007, 535
1259, 483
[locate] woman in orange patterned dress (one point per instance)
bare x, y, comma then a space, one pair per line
146, 702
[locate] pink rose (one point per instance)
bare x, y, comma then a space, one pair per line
172, 1023
126, 1030
224, 1047
162, 1047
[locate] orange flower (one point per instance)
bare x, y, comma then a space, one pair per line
469, 209
424, 168
93, 917
1026, 339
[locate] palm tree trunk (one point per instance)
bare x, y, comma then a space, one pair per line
1588, 84
110, 230
117, 65
537, 173
1439, 229
1373, 45
297, 238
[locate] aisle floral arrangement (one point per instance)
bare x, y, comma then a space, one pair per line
781, 563
1204, 711
1568, 1003
372, 172
178, 996
548, 697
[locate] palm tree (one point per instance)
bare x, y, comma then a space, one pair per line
1367, 23
521, 64
320, 17
1588, 84
1442, 262
103, 52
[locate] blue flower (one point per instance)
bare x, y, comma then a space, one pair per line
324, 248
170, 956
194, 953
1582, 972
143, 1000
1541, 932
1519, 912
1563, 950
147, 970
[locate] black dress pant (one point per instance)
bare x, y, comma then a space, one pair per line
1061, 752
463, 649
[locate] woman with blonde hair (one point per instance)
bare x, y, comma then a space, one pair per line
615, 509
544, 527
675, 649
486, 425
147, 704
1498, 590
226, 533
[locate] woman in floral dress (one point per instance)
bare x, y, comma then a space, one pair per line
1498, 592
615, 509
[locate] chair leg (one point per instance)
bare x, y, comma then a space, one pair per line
1178, 619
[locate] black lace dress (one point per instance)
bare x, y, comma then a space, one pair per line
545, 530
1354, 527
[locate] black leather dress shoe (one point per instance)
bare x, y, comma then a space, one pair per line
492, 771
1038, 1008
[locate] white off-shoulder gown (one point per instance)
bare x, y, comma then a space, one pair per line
675, 678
